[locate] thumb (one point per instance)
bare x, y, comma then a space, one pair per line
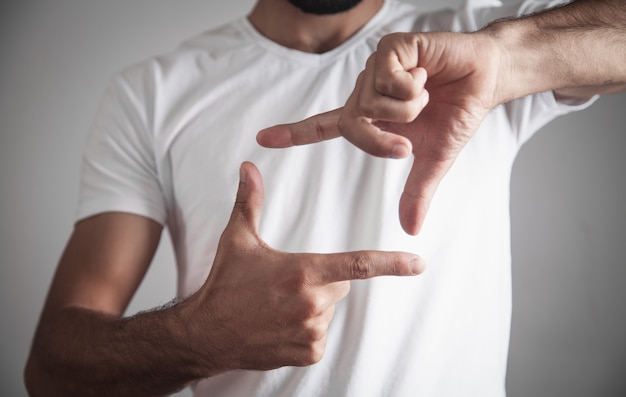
249, 201
419, 191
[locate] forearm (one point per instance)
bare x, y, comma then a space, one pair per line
578, 49
86, 353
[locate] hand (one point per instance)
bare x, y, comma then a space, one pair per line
265, 308
420, 93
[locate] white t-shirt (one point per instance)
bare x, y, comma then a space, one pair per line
172, 132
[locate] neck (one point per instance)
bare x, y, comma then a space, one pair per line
288, 26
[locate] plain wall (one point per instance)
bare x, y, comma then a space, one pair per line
56, 56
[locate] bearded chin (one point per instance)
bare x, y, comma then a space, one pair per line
324, 7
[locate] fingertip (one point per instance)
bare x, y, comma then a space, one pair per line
400, 151
278, 136
245, 169
410, 224
250, 175
250, 195
260, 137
375, 139
411, 217
417, 266
410, 227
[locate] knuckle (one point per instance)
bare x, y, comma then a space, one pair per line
386, 41
367, 105
309, 353
312, 307
232, 241
300, 280
315, 333
320, 131
341, 125
408, 113
359, 266
385, 83
348, 127
315, 352
395, 42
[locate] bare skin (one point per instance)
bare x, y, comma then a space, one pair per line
427, 93
288, 26
83, 346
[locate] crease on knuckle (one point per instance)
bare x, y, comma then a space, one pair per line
397, 267
299, 280
320, 131
315, 333
343, 126
315, 351
312, 307
385, 84
360, 267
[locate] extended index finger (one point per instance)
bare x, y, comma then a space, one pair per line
358, 265
314, 129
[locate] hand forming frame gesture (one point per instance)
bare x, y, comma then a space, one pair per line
427, 93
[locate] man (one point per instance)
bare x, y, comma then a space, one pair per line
166, 150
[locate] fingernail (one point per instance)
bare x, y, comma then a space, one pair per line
399, 152
416, 266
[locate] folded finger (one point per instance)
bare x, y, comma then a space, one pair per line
361, 132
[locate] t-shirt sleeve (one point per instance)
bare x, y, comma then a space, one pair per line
529, 114
119, 170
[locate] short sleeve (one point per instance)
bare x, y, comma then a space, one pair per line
476, 14
119, 171
529, 114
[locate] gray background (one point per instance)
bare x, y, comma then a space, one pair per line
568, 190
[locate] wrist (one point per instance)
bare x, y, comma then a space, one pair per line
195, 337
522, 68
558, 49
